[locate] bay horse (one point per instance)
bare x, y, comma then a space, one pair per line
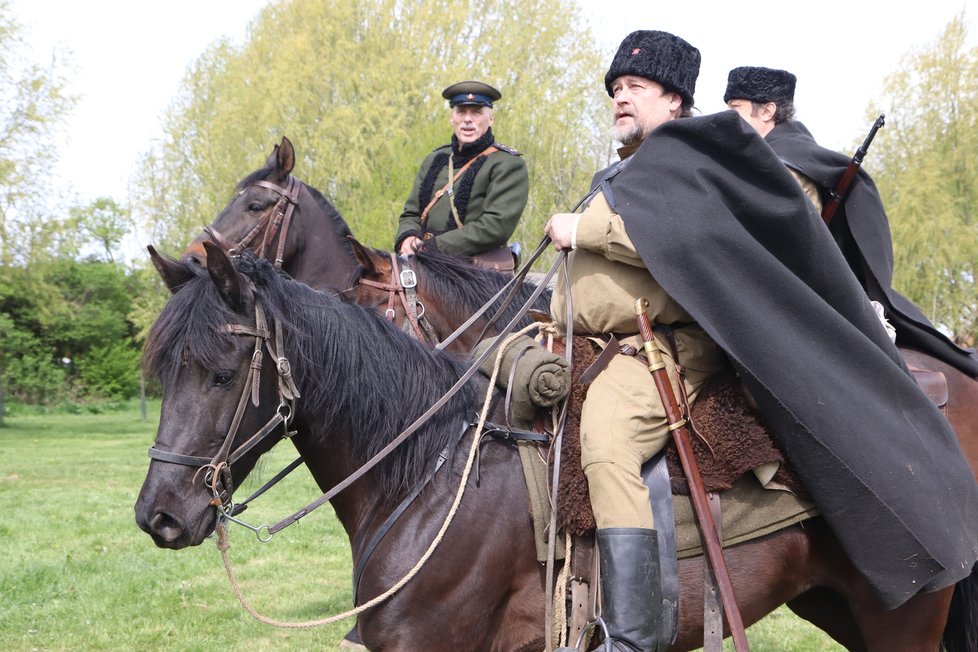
482, 588
287, 220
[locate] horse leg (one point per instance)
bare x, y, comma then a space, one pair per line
352, 640
828, 611
917, 624
765, 573
825, 604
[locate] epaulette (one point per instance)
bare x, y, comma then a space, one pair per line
507, 149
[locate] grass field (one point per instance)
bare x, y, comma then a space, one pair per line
76, 573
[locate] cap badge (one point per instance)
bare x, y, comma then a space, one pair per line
636, 51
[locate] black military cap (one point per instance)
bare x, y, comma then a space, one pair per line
760, 85
471, 92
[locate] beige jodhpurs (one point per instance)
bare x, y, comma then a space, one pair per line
623, 424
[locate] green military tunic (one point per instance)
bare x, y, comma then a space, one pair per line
489, 196
623, 421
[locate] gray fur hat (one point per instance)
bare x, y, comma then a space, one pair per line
659, 56
760, 85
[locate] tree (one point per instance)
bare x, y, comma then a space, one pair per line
102, 225
929, 178
357, 88
32, 113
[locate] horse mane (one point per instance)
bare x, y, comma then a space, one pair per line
356, 372
457, 282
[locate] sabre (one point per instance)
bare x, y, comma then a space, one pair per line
680, 435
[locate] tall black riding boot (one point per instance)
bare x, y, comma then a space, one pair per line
631, 587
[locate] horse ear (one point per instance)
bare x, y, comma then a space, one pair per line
272, 160
367, 257
173, 273
286, 156
223, 274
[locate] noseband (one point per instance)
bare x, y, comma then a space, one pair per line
278, 217
218, 468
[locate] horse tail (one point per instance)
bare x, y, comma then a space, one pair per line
961, 631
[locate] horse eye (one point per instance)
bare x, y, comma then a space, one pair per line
254, 207
223, 378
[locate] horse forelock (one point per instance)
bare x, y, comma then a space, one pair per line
189, 328
355, 372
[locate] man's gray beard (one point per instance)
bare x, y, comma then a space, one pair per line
631, 135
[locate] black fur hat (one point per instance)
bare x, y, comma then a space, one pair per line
659, 56
760, 85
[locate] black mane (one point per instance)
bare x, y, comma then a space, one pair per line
462, 286
355, 371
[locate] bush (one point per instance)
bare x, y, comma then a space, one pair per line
27, 370
111, 372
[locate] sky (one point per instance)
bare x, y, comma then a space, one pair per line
129, 57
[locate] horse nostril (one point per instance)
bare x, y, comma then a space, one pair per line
165, 527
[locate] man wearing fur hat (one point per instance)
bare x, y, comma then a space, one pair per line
701, 218
764, 97
469, 194
623, 423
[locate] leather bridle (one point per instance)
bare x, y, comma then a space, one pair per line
218, 468
279, 217
402, 286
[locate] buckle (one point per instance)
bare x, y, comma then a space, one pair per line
408, 278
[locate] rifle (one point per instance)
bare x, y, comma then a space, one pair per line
841, 189
701, 507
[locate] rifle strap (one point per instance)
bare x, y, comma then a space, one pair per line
451, 182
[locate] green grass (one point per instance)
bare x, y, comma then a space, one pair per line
76, 573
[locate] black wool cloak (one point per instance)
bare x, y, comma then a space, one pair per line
862, 231
723, 226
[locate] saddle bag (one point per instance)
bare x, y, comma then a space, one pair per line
500, 259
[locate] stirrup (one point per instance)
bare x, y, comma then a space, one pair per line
608, 642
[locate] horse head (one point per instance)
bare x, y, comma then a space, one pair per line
206, 348
281, 218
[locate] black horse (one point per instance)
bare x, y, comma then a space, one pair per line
355, 384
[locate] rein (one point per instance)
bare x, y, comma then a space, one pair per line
413, 427
282, 211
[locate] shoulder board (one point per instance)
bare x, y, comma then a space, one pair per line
507, 149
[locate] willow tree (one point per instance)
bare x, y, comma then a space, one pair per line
356, 86
32, 118
928, 157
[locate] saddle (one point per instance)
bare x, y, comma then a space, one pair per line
729, 439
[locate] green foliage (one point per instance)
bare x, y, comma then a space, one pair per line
56, 314
102, 225
94, 300
928, 153
28, 372
357, 88
31, 116
111, 371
